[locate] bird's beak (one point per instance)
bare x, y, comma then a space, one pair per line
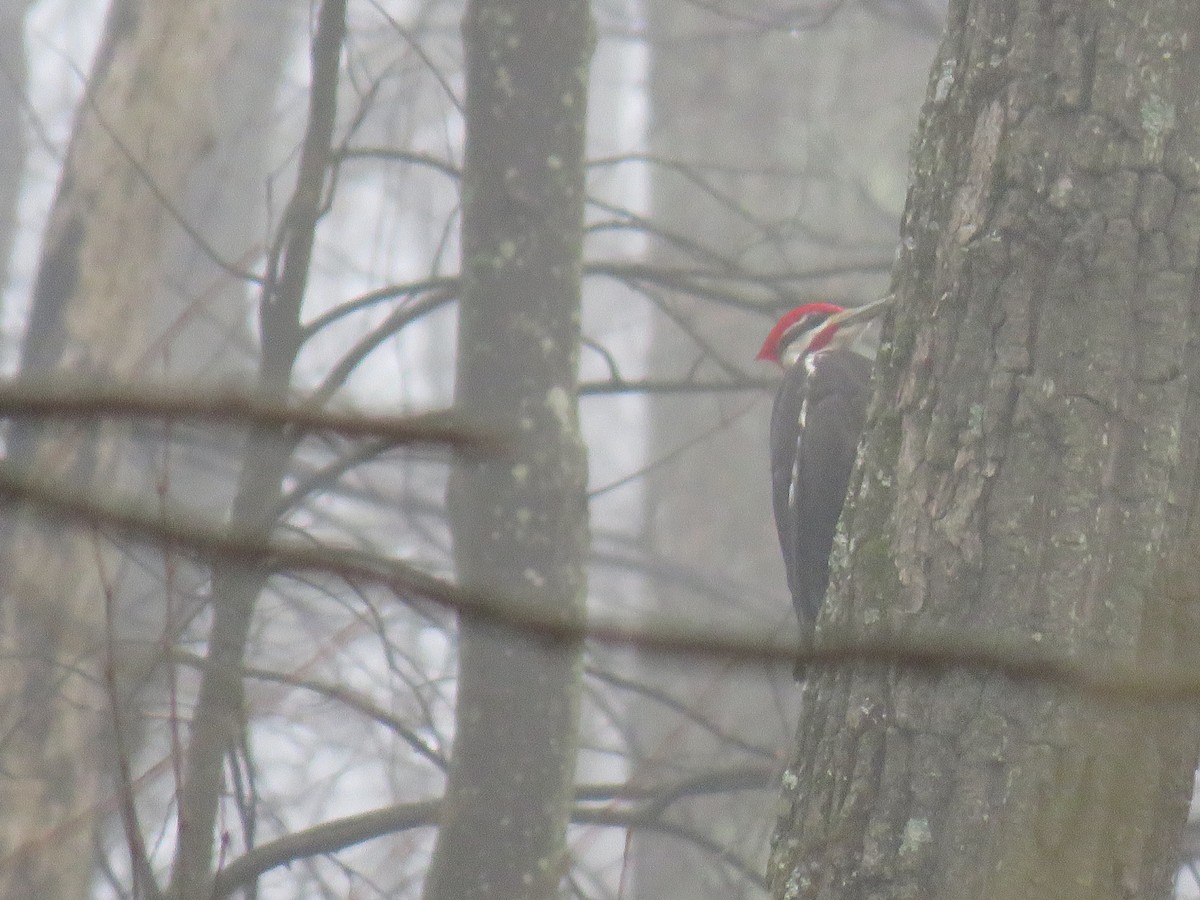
859, 314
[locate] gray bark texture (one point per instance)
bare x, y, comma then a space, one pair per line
1028, 475
519, 521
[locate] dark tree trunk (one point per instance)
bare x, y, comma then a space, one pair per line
1029, 468
520, 521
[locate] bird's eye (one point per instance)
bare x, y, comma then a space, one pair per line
804, 325
813, 321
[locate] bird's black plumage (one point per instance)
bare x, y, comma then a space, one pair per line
816, 423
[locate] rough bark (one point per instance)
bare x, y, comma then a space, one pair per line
133, 145
519, 522
1030, 463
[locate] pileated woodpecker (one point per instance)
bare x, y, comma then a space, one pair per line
816, 423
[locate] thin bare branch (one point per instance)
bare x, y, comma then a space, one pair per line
77, 400
934, 652
330, 837
676, 386
339, 694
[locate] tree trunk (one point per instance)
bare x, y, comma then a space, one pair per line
130, 152
196, 327
13, 145
1030, 463
519, 522
219, 717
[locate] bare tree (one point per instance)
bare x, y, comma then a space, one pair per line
300, 728
13, 144
1029, 475
130, 153
519, 521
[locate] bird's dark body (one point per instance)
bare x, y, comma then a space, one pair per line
810, 465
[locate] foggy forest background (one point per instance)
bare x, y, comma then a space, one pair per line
741, 158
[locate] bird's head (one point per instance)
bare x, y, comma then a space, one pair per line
800, 331
814, 327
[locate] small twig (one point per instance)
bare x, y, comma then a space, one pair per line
144, 882
676, 386
338, 694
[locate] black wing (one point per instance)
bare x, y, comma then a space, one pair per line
816, 424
